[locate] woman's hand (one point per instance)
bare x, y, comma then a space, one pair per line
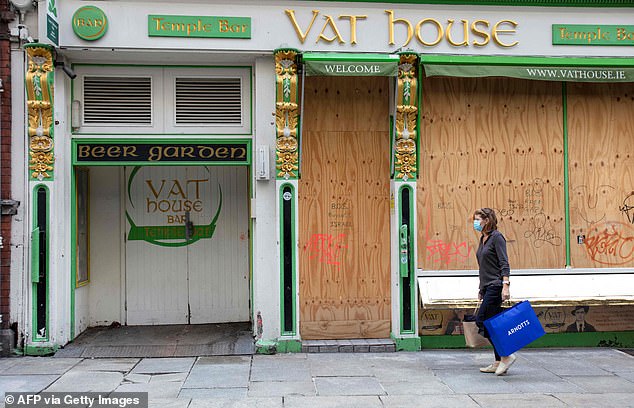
506, 292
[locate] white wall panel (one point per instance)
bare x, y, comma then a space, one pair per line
219, 267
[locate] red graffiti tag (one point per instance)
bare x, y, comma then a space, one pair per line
611, 243
326, 248
447, 252
444, 252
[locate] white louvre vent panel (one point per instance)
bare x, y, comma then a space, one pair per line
209, 101
117, 100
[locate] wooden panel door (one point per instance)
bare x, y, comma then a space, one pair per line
344, 234
172, 280
219, 267
156, 276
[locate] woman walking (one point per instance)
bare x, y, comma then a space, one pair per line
494, 275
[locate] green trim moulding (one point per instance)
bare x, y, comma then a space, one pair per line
591, 339
517, 3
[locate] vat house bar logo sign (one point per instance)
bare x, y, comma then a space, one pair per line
172, 207
89, 23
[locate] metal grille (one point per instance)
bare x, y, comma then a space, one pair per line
208, 101
117, 100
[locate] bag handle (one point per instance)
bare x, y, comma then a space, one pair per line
477, 308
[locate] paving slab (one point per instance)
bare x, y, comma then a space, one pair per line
43, 365
281, 388
169, 403
337, 364
564, 364
171, 377
7, 363
280, 370
79, 381
624, 400
334, 402
137, 378
164, 365
428, 401
518, 401
426, 386
238, 393
233, 403
219, 372
629, 375
327, 386
533, 379
443, 359
154, 390
25, 383
603, 384
122, 365
475, 382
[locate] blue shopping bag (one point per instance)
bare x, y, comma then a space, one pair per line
514, 328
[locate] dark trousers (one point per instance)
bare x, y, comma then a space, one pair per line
490, 306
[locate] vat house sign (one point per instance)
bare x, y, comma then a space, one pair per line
172, 206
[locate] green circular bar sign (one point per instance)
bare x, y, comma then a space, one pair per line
90, 23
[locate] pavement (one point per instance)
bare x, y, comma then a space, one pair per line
597, 377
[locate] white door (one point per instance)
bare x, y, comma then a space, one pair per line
187, 258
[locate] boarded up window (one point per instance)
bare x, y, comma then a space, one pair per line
491, 142
601, 143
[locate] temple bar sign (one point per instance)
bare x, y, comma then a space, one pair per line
155, 153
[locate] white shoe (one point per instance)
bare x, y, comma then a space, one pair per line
503, 367
491, 368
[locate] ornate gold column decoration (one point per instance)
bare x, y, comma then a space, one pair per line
406, 118
286, 113
39, 102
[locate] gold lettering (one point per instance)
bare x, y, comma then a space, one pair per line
330, 22
158, 23
151, 185
155, 153
114, 151
479, 33
190, 28
176, 190
300, 34
197, 182
222, 152
241, 152
465, 34
205, 152
438, 29
170, 151
496, 30
98, 151
223, 26
129, 151
353, 26
187, 151
83, 151
392, 21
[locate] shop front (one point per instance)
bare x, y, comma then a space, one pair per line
313, 170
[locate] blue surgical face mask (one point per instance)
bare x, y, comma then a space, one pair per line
477, 225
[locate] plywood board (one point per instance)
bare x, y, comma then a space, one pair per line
498, 143
344, 241
601, 142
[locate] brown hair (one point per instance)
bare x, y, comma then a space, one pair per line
489, 215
